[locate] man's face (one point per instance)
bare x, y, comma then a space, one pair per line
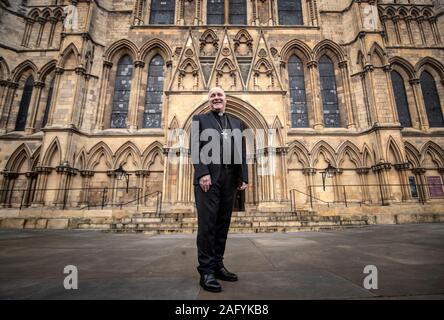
217, 99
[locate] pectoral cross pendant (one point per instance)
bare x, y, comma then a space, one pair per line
224, 133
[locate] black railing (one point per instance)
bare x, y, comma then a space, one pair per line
366, 194
80, 198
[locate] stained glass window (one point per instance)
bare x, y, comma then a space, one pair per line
290, 12
122, 92
162, 12
238, 12
401, 99
154, 91
431, 100
329, 93
215, 12
24, 105
299, 116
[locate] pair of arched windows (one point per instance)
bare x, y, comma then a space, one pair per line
430, 97
298, 102
22, 114
153, 98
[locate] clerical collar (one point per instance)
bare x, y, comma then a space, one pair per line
220, 114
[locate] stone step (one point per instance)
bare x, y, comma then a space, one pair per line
262, 229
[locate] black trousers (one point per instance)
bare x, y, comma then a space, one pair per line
214, 210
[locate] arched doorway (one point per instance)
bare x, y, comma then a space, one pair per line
262, 188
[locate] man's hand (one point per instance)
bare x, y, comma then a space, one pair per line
205, 182
243, 186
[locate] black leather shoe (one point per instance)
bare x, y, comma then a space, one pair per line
209, 283
225, 275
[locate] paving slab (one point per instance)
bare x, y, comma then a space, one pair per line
287, 266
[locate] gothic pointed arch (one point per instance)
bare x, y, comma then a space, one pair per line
377, 55
243, 39
209, 43
126, 151
367, 156
96, 152
80, 160
35, 157
404, 65
301, 152
34, 13
21, 156
236, 107
70, 57
174, 124
277, 125
435, 150
325, 148
348, 147
46, 70
151, 152
52, 152
4, 69
394, 149
327, 46
431, 62
297, 46
154, 46
121, 45
412, 154
22, 68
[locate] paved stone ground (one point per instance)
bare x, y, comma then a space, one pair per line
305, 265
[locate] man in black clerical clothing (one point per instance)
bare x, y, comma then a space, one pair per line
215, 182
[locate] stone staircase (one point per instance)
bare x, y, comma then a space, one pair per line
241, 222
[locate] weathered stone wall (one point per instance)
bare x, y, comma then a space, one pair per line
78, 149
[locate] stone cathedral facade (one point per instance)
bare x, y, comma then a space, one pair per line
89, 86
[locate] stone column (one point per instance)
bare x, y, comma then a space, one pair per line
316, 102
282, 151
86, 182
419, 103
107, 65
53, 22
133, 111
34, 107
408, 19
392, 103
141, 185
395, 20
420, 20
363, 178
198, 13
422, 187
368, 108
385, 37
7, 187
4, 84
255, 20
347, 94
58, 74
401, 168
382, 169
66, 172
42, 179
41, 22
309, 178
8, 101
227, 12
368, 69
435, 30
271, 20
112, 195
27, 32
